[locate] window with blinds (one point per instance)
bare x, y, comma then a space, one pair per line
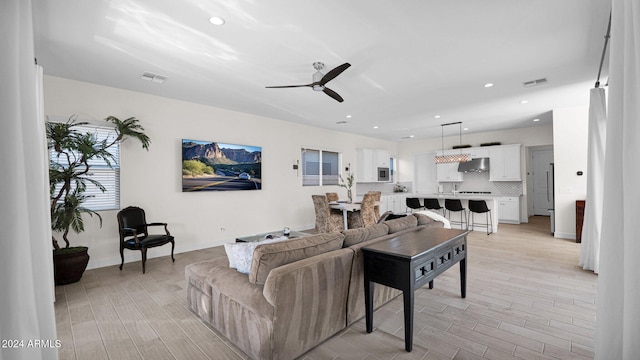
101, 172
320, 167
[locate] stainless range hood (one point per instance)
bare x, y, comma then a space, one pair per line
474, 165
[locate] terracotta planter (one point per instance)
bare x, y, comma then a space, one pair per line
69, 264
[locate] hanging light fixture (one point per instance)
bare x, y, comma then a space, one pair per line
442, 159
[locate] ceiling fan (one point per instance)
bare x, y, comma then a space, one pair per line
320, 79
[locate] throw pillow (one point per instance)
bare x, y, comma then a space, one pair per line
270, 256
241, 254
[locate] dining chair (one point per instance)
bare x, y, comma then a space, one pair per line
366, 216
376, 208
332, 196
326, 220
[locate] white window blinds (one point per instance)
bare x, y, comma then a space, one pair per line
101, 172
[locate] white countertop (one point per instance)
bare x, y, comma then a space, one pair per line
468, 196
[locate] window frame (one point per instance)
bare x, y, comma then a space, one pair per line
320, 175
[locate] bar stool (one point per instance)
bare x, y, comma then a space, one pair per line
413, 203
479, 207
455, 205
433, 204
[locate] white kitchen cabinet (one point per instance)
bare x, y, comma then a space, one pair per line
368, 162
509, 210
364, 167
504, 163
448, 172
425, 180
395, 203
382, 158
477, 153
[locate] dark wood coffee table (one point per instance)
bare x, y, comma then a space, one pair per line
410, 261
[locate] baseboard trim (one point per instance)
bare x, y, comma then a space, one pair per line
561, 235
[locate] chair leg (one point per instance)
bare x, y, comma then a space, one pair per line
144, 258
173, 245
121, 256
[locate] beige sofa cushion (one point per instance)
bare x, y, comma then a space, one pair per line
270, 256
354, 236
402, 223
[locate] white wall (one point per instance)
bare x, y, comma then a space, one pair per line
570, 131
152, 180
529, 136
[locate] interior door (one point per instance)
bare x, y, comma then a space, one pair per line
542, 181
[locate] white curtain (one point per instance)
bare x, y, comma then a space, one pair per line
590, 247
26, 265
618, 303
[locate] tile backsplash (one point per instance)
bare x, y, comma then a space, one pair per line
480, 182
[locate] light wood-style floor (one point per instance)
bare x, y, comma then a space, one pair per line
526, 299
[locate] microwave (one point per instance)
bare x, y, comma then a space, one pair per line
383, 174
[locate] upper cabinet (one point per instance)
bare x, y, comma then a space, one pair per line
504, 163
448, 172
382, 158
368, 162
477, 153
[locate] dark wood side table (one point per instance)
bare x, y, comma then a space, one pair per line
408, 262
579, 219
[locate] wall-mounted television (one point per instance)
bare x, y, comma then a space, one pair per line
216, 166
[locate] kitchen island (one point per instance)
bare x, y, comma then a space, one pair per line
492, 204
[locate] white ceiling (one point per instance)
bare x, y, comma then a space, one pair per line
411, 60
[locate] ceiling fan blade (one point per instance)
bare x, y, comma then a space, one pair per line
333, 73
288, 86
333, 94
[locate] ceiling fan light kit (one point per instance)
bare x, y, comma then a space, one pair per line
320, 80
443, 159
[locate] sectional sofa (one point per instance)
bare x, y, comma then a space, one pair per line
298, 293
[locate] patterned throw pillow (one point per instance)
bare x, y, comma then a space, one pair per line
241, 254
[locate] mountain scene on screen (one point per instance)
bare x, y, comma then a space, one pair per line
217, 159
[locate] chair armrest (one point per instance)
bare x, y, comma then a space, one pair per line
130, 232
166, 230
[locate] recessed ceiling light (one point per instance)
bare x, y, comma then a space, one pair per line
488, 85
524, 101
215, 20
536, 120
348, 116
465, 129
437, 117
375, 127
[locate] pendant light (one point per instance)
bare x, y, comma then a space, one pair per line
442, 159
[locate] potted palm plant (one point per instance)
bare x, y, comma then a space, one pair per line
69, 168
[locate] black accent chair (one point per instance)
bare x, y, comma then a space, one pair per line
433, 204
413, 203
479, 207
455, 205
134, 234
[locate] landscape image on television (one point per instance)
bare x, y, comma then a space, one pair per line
213, 166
